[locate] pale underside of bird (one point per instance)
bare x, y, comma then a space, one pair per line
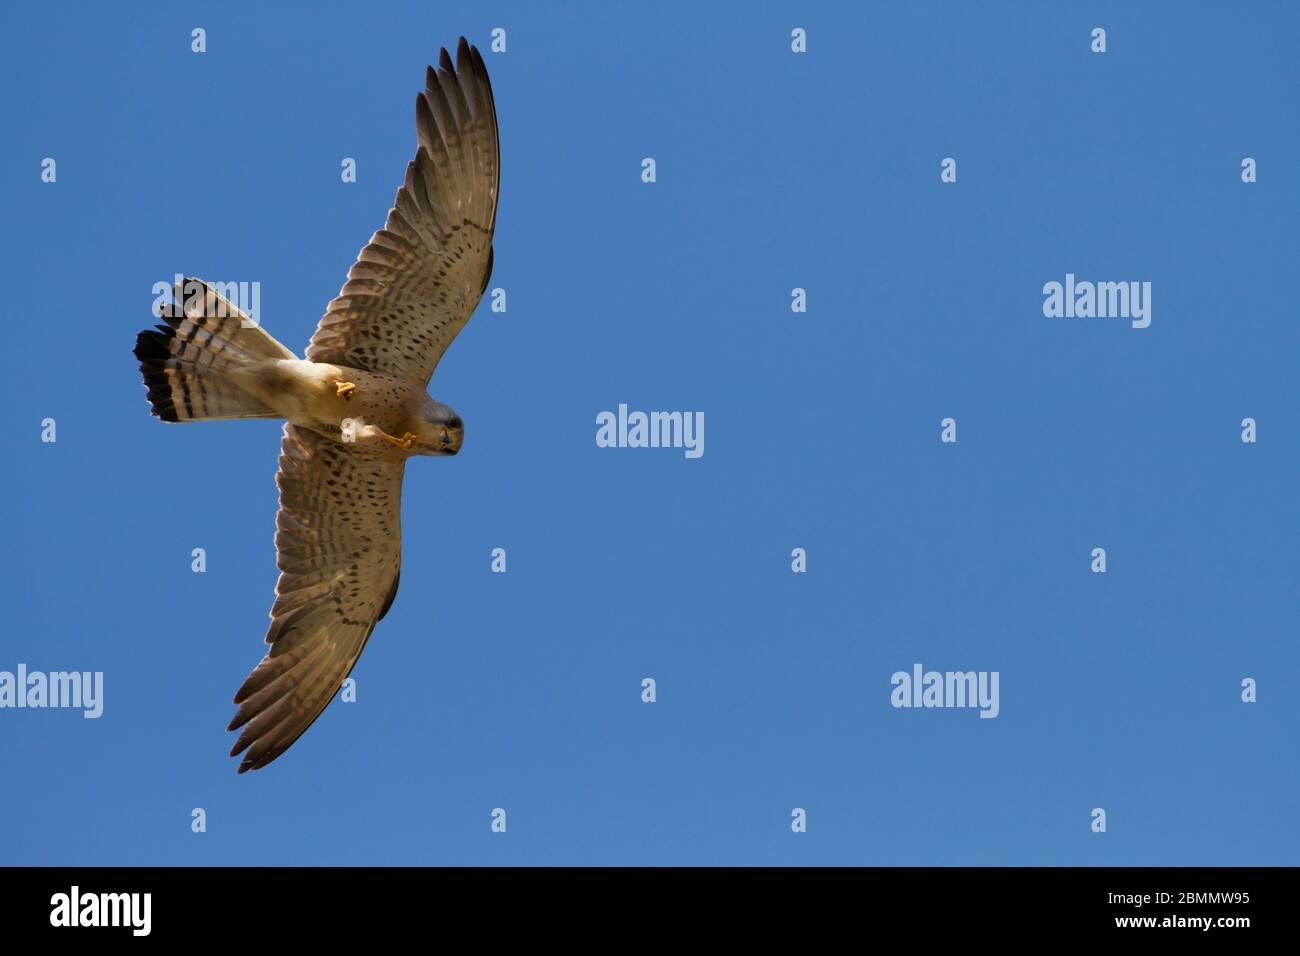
355, 408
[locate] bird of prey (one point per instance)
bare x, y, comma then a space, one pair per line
355, 408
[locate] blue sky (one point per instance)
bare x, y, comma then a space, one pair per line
774, 171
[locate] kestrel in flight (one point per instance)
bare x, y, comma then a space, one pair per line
355, 408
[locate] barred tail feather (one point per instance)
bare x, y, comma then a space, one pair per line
186, 361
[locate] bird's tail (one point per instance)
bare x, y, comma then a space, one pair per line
186, 361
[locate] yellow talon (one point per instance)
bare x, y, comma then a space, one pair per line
345, 390
406, 442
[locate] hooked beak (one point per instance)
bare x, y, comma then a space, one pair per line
449, 440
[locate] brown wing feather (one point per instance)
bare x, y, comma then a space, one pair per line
418, 280
339, 550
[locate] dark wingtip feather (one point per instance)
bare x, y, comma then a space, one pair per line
444, 60
241, 744
245, 691
151, 346
152, 351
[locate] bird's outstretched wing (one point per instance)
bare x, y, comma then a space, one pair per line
416, 283
339, 550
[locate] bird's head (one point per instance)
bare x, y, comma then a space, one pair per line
440, 430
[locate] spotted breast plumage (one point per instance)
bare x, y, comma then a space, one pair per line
355, 408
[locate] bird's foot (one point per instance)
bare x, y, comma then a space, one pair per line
406, 442
344, 391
